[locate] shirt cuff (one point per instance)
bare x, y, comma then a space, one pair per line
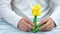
56, 20
16, 20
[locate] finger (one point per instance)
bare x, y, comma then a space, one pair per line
28, 21
49, 28
45, 26
43, 22
27, 29
25, 24
28, 25
23, 28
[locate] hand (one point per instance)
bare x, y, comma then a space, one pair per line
25, 24
48, 24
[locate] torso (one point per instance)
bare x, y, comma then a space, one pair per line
24, 6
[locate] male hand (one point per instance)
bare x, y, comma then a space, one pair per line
25, 24
48, 24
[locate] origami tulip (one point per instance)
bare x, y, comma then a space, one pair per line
36, 12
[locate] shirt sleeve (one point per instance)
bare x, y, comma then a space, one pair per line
7, 13
56, 13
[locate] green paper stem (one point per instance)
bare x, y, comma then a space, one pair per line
35, 21
36, 27
35, 24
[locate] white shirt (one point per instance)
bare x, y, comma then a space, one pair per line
13, 10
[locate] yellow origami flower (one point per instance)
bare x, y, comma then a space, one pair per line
36, 10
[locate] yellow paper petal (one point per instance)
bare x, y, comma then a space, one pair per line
36, 10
